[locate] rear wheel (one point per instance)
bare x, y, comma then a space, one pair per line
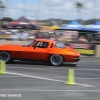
56, 60
5, 56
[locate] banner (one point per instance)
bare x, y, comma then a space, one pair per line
84, 49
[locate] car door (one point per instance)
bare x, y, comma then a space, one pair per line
28, 53
41, 50
38, 52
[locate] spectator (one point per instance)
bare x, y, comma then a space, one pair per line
40, 36
22, 35
52, 36
82, 39
90, 38
13, 37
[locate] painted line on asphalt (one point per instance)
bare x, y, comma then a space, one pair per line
86, 78
11, 76
57, 77
30, 68
43, 78
88, 69
56, 68
76, 78
50, 90
89, 61
97, 69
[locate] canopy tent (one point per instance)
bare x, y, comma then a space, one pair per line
73, 25
21, 23
18, 23
49, 28
21, 20
35, 22
21, 26
45, 29
95, 26
54, 27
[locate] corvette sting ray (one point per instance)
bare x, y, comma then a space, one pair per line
39, 50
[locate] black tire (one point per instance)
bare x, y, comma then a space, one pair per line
56, 60
5, 56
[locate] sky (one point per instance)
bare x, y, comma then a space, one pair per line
45, 9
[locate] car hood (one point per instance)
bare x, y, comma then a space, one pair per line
10, 47
7, 45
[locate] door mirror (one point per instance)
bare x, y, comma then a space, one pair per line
23, 45
34, 47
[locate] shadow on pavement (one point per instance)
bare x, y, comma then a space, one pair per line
42, 63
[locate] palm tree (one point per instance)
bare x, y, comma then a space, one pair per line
79, 7
2, 7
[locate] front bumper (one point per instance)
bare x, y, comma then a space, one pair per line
76, 59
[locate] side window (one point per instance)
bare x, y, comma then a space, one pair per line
45, 44
41, 44
38, 44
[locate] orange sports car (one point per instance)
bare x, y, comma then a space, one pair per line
41, 50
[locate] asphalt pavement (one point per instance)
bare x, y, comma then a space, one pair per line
39, 81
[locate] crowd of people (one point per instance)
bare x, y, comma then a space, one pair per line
62, 36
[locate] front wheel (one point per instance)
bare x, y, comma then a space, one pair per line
56, 60
5, 56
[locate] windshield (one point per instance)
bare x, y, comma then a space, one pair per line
30, 43
60, 45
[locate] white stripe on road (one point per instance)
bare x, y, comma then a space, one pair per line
11, 76
86, 78
55, 68
88, 69
49, 90
77, 78
89, 61
58, 77
43, 78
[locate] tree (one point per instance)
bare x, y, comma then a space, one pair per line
8, 19
79, 7
2, 7
1, 4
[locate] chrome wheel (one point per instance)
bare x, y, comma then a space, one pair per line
5, 56
56, 60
